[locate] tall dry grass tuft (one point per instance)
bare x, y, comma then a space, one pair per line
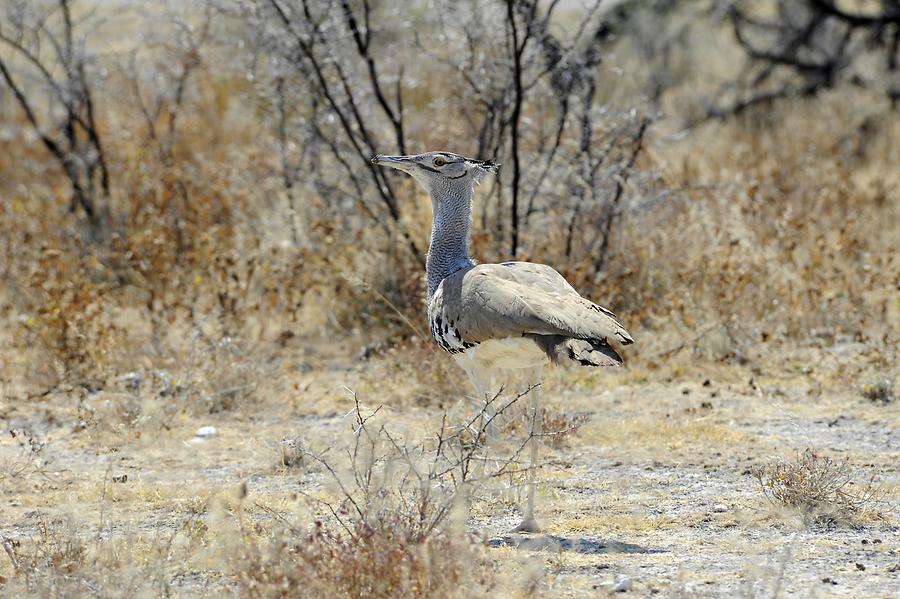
64, 559
392, 558
822, 489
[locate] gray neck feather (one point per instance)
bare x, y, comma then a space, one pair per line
449, 248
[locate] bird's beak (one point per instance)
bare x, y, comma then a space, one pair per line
403, 163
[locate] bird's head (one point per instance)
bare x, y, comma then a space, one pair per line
440, 170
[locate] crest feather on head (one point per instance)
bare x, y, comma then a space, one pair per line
482, 168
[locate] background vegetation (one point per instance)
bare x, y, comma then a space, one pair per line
205, 168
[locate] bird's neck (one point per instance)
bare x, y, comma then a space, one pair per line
448, 251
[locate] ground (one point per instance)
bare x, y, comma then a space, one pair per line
656, 486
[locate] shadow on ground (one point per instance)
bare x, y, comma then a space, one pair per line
575, 545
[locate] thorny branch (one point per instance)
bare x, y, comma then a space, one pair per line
808, 46
316, 55
428, 477
337, 51
74, 142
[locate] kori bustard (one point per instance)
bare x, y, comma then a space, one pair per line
512, 315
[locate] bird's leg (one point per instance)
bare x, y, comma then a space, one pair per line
490, 411
529, 524
483, 380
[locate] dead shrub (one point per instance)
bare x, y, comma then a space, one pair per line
65, 559
56, 556
67, 316
823, 489
391, 556
560, 427
387, 529
29, 458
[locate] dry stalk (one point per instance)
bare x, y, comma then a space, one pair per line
822, 488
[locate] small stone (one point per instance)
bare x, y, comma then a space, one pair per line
622, 583
131, 380
206, 432
720, 507
164, 380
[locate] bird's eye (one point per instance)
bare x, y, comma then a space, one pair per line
439, 161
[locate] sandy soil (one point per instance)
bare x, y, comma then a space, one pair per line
655, 487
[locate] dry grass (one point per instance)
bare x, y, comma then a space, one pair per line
785, 235
393, 558
65, 559
781, 238
559, 427
680, 434
823, 489
391, 521
218, 516
387, 524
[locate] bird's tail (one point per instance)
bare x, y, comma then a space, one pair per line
590, 352
586, 352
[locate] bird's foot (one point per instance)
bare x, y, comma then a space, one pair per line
527, 525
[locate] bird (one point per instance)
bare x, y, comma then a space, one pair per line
510, 315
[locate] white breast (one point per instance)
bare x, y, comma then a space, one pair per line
513, 352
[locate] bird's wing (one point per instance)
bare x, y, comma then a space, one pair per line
496, 301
